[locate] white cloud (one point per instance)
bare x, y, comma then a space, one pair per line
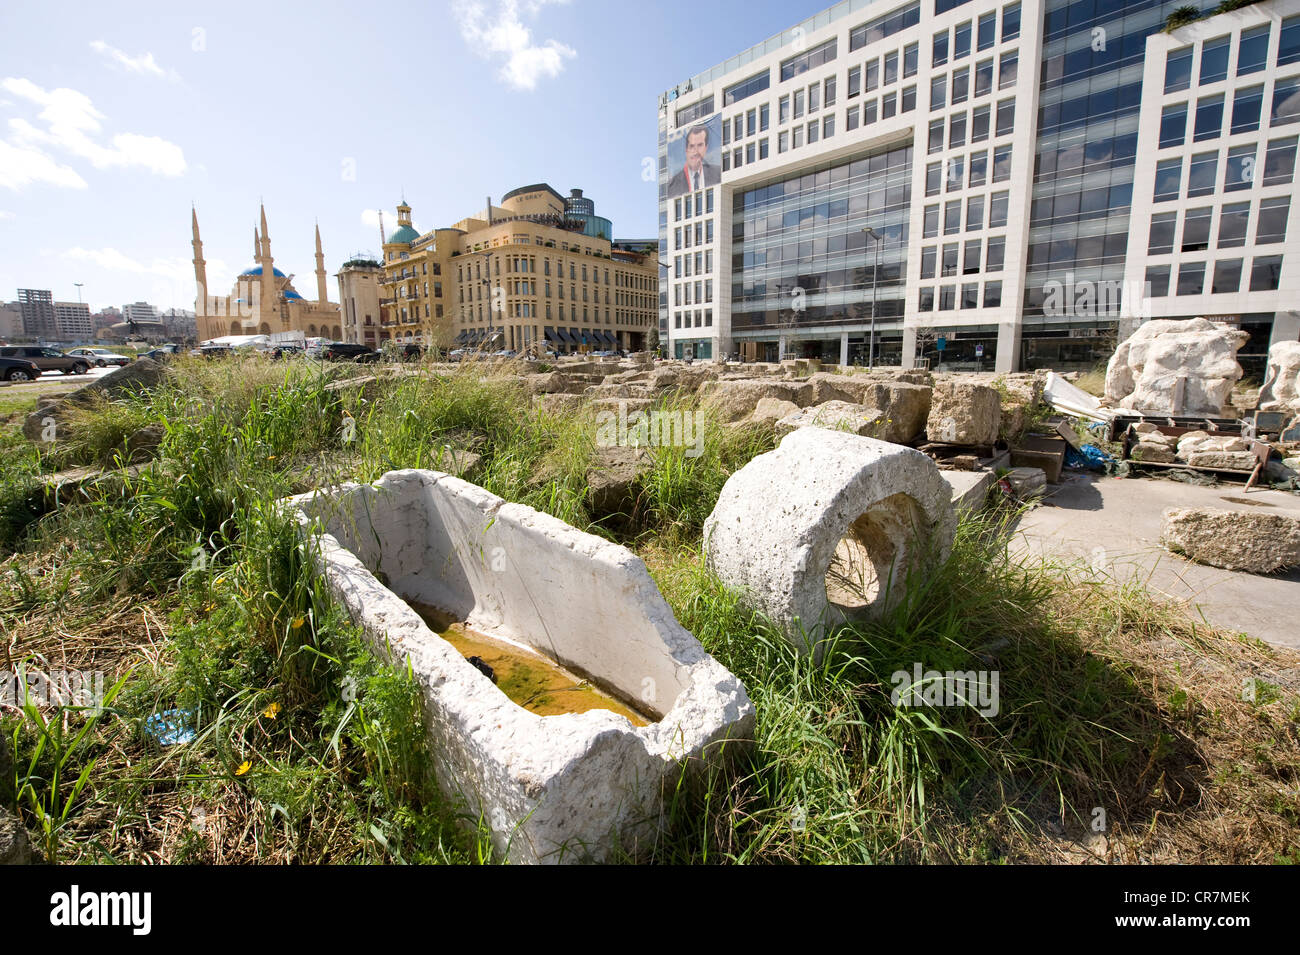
502, 34
6, 215
173, 278
143, 63
71, 122
20, 166
370, 219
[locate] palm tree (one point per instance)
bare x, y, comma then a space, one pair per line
1181, 17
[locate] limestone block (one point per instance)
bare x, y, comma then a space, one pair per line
835, 415
1234, 460
1171, 366
1281, 391
1235, 540
962, 412
824, 529
564, 788
143, 374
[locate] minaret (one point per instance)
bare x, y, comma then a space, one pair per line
322, 294
270, 300
200, 268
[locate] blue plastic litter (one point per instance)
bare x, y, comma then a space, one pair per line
171, 727
1088, 458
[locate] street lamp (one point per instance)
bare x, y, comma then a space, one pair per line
781, 326
78, 285
875, 277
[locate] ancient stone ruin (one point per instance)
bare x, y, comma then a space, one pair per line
1175, 367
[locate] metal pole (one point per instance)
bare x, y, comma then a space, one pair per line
875, 279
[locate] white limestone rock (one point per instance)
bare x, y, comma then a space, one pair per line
1281, 391
1171, 366
1235, 540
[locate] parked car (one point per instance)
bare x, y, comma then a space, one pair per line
19, 369
344, 351
212, 351
100, 357
47, 359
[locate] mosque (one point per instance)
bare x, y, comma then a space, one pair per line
263, 300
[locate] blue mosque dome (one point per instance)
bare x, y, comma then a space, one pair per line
292, 295
257, 270
404, 235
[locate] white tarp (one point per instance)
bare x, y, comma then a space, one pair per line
241, 341
1066, 398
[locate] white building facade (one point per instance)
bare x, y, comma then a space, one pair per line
992, 150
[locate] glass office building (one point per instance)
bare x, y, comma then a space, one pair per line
992, 149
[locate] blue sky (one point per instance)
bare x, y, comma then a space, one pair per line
114, 117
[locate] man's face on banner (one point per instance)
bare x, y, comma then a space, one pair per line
697, 144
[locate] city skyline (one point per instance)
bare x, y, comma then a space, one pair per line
113, 126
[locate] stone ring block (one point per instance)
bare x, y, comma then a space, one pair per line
823, 530
558, 788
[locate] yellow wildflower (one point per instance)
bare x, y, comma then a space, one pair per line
271, 711
244, 767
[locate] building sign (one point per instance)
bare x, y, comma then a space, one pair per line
693, 157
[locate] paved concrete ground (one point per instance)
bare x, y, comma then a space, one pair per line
1113, 526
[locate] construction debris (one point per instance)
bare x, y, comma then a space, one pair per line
1234, 540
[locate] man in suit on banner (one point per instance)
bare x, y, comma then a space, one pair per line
697, 173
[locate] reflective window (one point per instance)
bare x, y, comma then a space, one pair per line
988, 31
1240, 172
983, 77
1191, 278
939, 49
1209, 118
1214, 59
1288, 50
1286, 102
961, 41
1279, 161
1265, 273
1271, 226
1201, 174
1178, 69
1227, 277
1007, 68
1169, 178
1246, 105
1161, 240
1252, 50
1234, 220
997, 251
1173, 125
1157, 281
1196, 229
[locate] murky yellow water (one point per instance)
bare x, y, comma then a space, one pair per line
537, 684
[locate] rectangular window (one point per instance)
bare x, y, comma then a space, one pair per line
1157, 281
992, 294
1286, 103
974, 213
1279, 162
960, 85
1252, 51
751, 151
1214, 59
956, 172
911, 55
1246, 106
726, 133
783, 109
891, 68
927, 262
1002, 164
828, 126
946, 297
814, 132
930, 225
961, 41
851, 118
1265, 271
1196, 230
828, 91
952, 217
1241, 171
1234, 222
938, 92
871, 76
998, 210
1010, 22
988, 31
1271, 226
1201, 174
798, 104
782, 142
1227, 277
689, 114
983, 77
746, 88
1161, 239
1006, 117
868, 112
1169, 179
933, 178
956, 130
855, 82
949, 267
925, 300
888, 105
1008, 68
796, 137
936, 136
814, 97
908, 99
764, 115
751, 122
1173, 125
887, 25
979, 124
970, 295
1178, 69
939, 55
1288, 48
1209, 118
979, 168
996, 254
817, 56
1191, 278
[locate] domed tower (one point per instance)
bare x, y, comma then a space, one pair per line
405, 233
